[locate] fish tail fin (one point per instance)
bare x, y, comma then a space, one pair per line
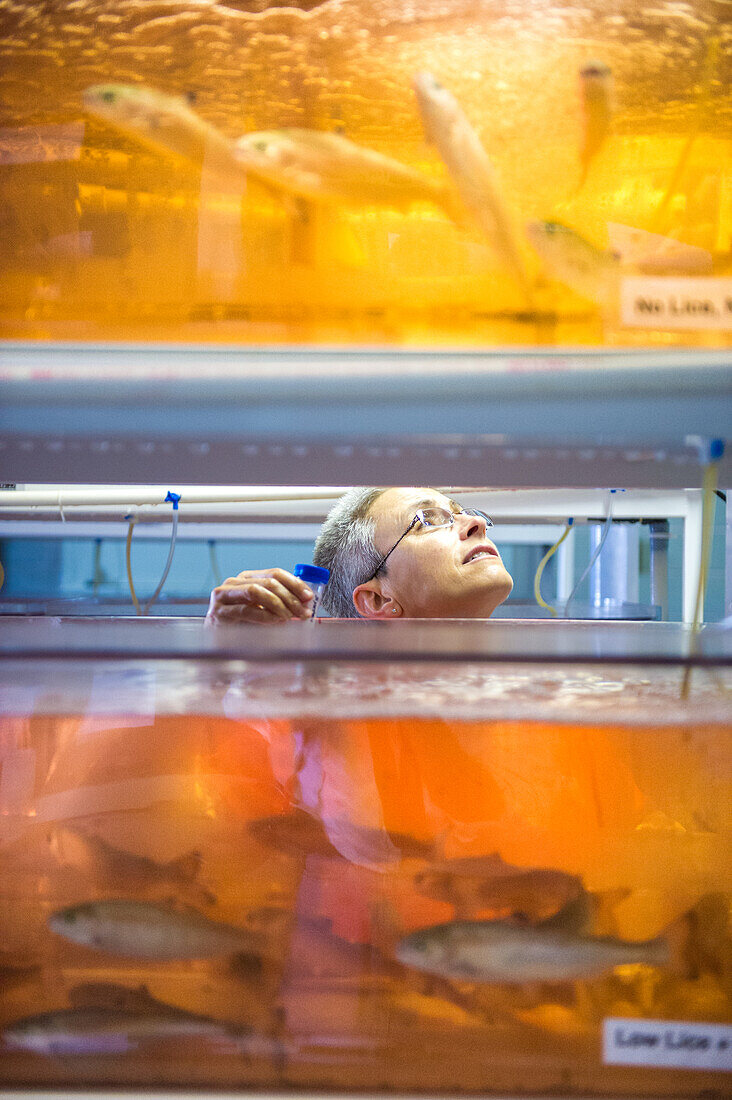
697, 939
186, 867
576, 916
673, 949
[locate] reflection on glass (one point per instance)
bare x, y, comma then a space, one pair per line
359, 875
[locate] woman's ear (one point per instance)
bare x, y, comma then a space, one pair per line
371, 603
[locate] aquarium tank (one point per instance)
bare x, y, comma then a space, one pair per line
455, 172
452, 858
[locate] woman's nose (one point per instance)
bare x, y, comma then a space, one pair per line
471, 525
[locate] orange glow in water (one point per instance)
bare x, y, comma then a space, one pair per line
322, 843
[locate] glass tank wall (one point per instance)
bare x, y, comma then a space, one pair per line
380, 870
455, 172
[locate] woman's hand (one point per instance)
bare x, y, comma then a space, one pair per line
260, 596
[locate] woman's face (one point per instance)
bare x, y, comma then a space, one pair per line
444, 572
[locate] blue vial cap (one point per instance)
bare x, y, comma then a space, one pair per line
312, 574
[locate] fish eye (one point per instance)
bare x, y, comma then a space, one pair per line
260, 146
108, 96
69, 916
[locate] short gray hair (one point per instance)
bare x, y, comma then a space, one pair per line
346, 546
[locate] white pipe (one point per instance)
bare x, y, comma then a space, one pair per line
220, 512
559, 504
520, 504
136, 495
692, 554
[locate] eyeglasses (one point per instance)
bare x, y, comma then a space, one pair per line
432, 518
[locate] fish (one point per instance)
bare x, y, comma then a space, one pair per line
595, 273
296, 833
433, 1009
329, 168
147, 930
470, 168
376, 848
655, 254
592, 272
167, 124
488, 883
91, 854
299, 833
503, 951
108, 1030
596, 99
113, 995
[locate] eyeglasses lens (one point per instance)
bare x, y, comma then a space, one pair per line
435, 517
441, 517
477, 512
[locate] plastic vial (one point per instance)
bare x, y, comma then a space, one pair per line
316, 579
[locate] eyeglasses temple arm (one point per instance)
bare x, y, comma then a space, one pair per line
383, 560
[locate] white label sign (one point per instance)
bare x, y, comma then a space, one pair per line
676, 302
670, 1043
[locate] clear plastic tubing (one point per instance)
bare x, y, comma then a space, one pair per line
316, 579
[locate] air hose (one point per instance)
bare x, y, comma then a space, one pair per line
540, 569
173, 498
596, 555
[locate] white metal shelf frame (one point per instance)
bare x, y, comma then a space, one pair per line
24, 513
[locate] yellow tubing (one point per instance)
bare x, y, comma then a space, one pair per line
540, 569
